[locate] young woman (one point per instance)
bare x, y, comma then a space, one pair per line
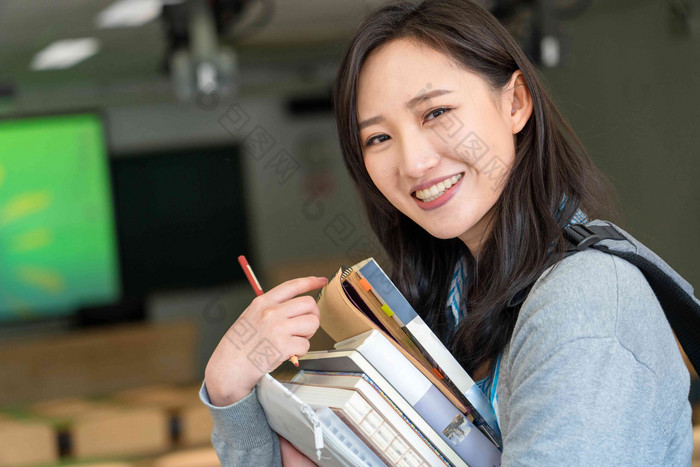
468, 174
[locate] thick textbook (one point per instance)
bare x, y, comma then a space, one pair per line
362, 297
379, 387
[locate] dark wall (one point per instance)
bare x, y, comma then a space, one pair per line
631, 90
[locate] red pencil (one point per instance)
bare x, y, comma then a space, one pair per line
248, 271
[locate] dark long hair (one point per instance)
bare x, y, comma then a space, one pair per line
550, 162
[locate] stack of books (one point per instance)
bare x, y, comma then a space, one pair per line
388, 393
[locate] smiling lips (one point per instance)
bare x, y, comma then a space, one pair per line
435, 191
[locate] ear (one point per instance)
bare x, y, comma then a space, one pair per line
518, 101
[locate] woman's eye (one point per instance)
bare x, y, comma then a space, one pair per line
436, 113
376, 140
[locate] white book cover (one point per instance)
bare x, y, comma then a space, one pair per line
382, 427
319, 435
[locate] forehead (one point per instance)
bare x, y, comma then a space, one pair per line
404, 68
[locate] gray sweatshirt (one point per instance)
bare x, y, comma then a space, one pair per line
592, 376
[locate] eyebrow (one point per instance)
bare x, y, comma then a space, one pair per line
409, 105
425, 96
371, 121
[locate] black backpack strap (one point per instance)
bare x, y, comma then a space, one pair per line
681, 308
581, 236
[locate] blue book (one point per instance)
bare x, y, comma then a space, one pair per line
454, 376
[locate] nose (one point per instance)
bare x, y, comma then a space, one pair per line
417, 158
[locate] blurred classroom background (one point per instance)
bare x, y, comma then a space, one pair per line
145, 144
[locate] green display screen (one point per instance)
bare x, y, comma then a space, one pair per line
57, 237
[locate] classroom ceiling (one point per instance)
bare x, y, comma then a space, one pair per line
137, 54
278, 44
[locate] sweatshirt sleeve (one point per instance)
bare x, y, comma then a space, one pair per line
594, 376
241, 435
584, 403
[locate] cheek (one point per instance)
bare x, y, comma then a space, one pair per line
372, 171
382, 173
468, 131
489, 148
503, 139
378, 171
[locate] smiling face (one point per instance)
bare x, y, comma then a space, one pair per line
437, 141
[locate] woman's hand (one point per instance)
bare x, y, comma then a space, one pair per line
275, 326
292, 457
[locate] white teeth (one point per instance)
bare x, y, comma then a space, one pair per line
434, 192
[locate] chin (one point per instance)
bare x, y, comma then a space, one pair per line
447, 232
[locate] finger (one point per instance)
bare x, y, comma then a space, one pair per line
290, 289
291, 456
299, 306
298, 346
303, 326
